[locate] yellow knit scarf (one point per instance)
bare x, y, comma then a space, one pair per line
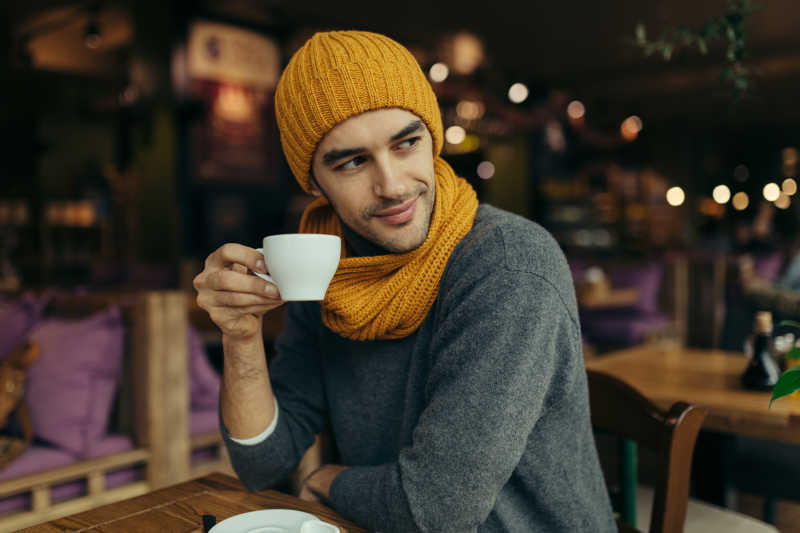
388, 296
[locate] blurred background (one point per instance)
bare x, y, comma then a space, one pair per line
657, 141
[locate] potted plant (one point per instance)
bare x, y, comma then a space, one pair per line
789, 381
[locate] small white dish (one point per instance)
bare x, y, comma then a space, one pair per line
273, 521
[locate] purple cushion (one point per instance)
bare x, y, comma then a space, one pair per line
645, 279
576, 268
620, 328
40, 458
36, 459
768, 266
17, 317
203, 421
109, 445
203, 379
71, 386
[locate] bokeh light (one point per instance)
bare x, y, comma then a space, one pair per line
771, 192
630, 128
470, 110
741, 173
438, 72
789, 186
721, 194
740, 201
783, 201
790, 155
485, 170
455, 134
518, 93
576, 110
675, 196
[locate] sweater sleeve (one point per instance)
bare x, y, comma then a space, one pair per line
500, 343
296, 380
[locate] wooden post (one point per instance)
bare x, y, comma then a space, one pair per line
677, 304
161, 390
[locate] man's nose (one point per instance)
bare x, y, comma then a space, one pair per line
388, 181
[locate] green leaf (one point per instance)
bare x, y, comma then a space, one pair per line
701, 44
793, 354
788, 383
789, 323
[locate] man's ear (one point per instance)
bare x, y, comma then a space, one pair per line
313, 188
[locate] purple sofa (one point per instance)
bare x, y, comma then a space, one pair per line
71, 392
619, 327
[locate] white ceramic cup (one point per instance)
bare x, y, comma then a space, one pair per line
302, 265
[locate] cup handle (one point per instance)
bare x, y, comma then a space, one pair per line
265, 277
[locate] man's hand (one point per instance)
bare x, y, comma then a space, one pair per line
317, 486
234, 299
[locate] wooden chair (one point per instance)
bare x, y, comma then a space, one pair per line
619, 409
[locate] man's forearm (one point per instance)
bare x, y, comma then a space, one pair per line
246, 399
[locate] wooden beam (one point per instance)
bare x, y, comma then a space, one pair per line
162, 396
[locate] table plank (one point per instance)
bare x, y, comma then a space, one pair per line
709, 378
180, 508
151, 520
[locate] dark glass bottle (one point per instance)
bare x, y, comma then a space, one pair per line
762, 372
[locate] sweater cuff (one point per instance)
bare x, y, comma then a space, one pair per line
371, 497
261, 437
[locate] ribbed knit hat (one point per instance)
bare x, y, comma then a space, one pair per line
338, 74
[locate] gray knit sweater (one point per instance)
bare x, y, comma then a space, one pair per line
479, 421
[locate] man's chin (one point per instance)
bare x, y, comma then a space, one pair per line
399, 244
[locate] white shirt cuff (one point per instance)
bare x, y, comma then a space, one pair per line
261, 437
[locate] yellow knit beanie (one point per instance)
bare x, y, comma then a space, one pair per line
338, 74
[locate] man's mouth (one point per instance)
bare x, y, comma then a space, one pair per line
398, 215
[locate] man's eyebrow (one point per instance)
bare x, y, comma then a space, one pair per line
334, 155
411, 128
331, 156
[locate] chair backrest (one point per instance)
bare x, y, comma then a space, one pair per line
617, 408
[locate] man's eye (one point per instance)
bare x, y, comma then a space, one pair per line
352, 163
408, 143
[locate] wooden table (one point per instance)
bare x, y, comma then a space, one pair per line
180, 508
709, 379
606, 297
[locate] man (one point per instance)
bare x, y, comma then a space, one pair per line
446, 356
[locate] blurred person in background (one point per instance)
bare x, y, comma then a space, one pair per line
446, 355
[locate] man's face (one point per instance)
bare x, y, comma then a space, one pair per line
376, 170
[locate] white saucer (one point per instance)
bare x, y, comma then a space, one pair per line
266, 521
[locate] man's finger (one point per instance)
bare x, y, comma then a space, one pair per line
230, 281
241, 299
233, 253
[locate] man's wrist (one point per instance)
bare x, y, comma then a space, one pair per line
243, 341
321, 480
